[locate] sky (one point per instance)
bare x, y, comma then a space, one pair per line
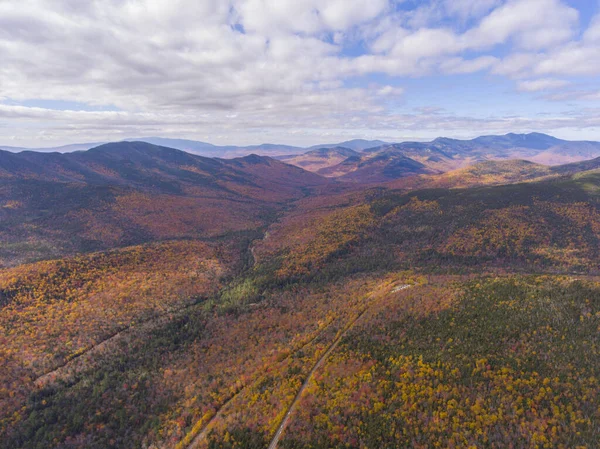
297, 72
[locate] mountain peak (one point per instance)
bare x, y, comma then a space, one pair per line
138, 151
254, 159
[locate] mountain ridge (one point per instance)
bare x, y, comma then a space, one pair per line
54, 204
530, 140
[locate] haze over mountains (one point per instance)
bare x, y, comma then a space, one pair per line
391, 161
206, 149
441, 153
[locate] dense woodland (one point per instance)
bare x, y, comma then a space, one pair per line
437, 315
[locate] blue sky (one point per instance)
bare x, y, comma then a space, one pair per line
296, 71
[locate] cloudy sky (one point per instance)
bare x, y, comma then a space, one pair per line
296, 71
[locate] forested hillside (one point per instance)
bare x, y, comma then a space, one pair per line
129, 193
453, 310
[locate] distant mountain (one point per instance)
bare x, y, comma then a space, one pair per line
321, 159
429, 155
59, 149
226, 151
191, 146
381, 167
568, 152
440, 155
265, 149
146, 166
535, 147
356, 144
132, 192
535, 141
12, 149
444, 155
207, 149
509, 146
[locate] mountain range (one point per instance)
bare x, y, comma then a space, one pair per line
60, 203
545, 148
373, 161
204, 148
391, 161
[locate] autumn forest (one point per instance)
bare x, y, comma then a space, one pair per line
152, 298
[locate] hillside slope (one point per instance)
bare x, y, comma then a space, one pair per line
132, 192
384, 315
386, 354
552, 224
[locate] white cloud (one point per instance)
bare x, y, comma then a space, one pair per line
462, 66
541, 84
571, 59
531, 24
306, 16
571, 95
389, 91
592, 34
269, 63
516, 64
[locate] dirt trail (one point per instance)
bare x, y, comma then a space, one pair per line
204, 431
317, 365
202, 434
82, 360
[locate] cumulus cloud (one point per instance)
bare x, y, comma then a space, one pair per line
531, 24
246, 66
461, 66
541, 84
570, 95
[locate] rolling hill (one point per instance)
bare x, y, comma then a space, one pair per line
551, 224
495, 172
485, 173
